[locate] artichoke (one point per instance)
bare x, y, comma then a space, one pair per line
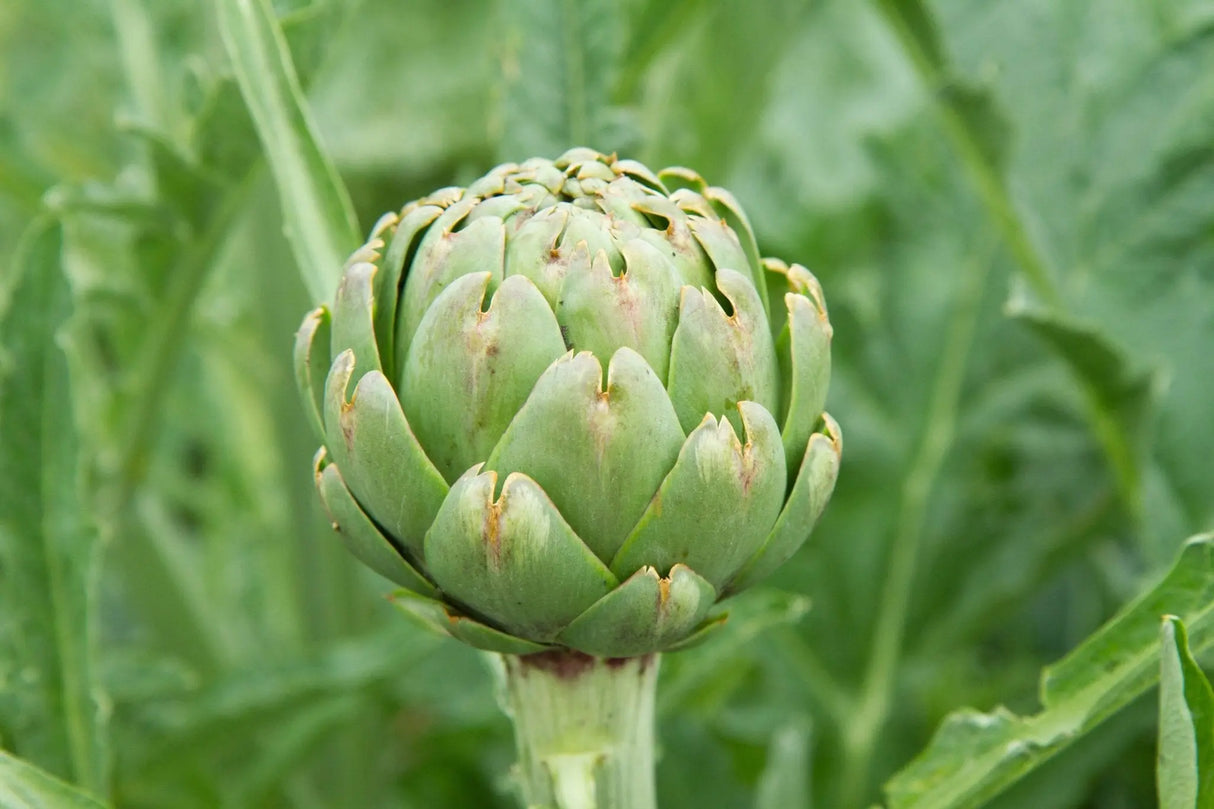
569, 406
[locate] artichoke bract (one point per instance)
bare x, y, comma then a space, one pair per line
570, 407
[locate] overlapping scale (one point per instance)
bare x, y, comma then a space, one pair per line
444, 254
803, 351
360, 535
717, 505
469, 371
646, 613
719, 359
637, 308
512, 556
810, 493
599, 452
370, 440
312, 364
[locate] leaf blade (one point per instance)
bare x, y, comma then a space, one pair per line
47, 546
318, 216
975, 756
24, 786
1185, 764
562, 62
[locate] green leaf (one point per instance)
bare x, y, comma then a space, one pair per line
974, 756
24, 786
48, 705
1186, 724
178, 730
968, 109
317, 214
1122, 392
562, 57
710, 89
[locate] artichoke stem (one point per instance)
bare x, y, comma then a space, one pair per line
584, 729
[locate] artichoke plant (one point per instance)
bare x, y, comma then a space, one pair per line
570, 407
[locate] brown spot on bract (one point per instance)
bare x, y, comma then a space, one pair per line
493, 531
748, 469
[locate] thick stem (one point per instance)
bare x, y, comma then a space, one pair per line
584, 729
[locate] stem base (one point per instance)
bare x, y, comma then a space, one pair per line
584, 729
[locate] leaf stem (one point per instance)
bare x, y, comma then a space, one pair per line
318, 216
861, 735
912, 25
909, 21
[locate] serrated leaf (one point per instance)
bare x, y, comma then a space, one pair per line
714, 81
47, 544
1121, 390
24, 786
972, 108
178, 731
974, 756
1121, 387
318, 217
1185, 767
562, 57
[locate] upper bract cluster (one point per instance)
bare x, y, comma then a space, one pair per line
569, 405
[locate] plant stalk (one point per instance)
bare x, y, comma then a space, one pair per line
584, 729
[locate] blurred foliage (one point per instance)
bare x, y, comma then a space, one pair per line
1010, 204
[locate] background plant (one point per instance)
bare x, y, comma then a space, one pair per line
1009, 203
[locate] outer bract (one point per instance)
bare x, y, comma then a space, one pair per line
570, 407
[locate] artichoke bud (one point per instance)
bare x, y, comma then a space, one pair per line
570, 407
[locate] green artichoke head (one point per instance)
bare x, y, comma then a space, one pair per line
569, 406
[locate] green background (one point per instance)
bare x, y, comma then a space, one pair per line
1010, 205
